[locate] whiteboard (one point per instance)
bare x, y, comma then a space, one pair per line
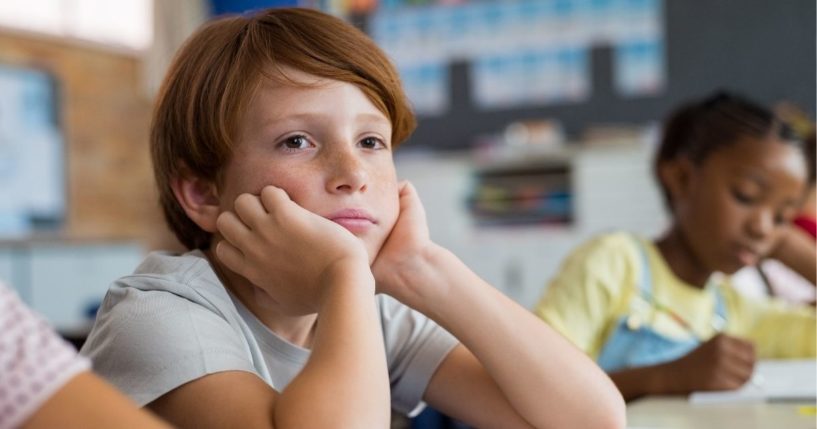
32, 170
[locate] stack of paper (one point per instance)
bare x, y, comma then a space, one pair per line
788, 380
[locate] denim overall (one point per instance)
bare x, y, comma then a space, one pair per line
634, 343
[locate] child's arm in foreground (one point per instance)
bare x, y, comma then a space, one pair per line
43, 384
87, 402
315, 264
511, 370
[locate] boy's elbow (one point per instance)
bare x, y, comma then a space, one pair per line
614, 415
608, 413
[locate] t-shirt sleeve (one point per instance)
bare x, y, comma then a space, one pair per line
34, 361
148, 342
415, 347
582, 297
778, 329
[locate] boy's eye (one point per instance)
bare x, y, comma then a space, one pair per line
372, 143
296, 142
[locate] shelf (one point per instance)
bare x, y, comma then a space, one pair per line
522, 193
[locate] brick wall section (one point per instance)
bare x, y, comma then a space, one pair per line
105, 118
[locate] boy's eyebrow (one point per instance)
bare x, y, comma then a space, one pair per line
362, 117
373, 118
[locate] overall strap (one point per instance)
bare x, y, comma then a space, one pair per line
645, 282
645, 288
720, 306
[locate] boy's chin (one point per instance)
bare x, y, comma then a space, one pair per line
373, 249
373, 252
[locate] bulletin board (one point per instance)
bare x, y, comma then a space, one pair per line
32, 165
763, 50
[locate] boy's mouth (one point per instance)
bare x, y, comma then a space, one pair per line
355, 220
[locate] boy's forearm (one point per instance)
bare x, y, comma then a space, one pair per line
345, 383
546, 379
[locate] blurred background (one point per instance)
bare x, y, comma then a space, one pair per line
537, 122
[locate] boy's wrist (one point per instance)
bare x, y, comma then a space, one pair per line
419, 281
345, 276
442, 274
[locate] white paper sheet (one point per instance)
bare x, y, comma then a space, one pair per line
783, 380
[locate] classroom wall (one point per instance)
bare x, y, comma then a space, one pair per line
762, 48
613, 190
105, 121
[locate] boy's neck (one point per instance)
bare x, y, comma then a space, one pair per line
682, 260
298, 330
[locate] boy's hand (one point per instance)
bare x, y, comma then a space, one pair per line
287, 250
404, 253
722, 363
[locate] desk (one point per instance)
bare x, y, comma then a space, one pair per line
677, 413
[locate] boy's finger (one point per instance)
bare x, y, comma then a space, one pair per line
409, 200
232, 228
272, 197
230, 256
405, 187
249, 209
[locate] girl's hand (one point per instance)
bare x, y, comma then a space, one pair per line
404, 254
290, 252
722, 363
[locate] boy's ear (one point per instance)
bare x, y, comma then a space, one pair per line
198, 198
677, 177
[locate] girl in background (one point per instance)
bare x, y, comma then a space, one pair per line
659, 316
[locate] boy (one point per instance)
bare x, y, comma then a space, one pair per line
272, 146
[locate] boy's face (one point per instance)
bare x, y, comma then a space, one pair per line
327, 146
738, 200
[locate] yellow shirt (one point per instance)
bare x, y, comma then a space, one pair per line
599, 280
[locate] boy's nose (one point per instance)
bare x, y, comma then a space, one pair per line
347, 173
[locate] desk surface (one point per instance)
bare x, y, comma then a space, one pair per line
678, 413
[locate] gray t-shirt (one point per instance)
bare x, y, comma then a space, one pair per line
172, 322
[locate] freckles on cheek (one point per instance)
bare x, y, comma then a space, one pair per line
393, 195
291, 182
298, 192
